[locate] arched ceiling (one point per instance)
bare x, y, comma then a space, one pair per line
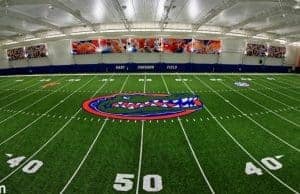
29, 20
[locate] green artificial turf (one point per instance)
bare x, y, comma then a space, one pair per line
204, 152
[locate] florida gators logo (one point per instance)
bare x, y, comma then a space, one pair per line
141, 106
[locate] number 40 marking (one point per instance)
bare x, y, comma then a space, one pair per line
30, 168
151, 183
270, 162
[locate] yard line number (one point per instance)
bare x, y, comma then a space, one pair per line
269, 162
151, 182
30, 168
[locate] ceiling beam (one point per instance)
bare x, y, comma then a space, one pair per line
76, 13
214, 12
165, 16
55, 3
29, 19
297, 32
264, 14
121, 14
278, 26
14, 29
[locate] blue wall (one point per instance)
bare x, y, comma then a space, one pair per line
157, 67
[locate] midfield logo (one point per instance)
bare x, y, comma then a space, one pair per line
141, 106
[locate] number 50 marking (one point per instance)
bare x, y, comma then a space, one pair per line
151, 183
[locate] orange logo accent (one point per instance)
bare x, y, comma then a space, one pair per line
51, 84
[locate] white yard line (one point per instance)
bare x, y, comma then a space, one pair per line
13, 93
25, 108
43, 114
90, 148
164, 81
84, 158
291, 82
283, 94
274, 99
174, 73
52, 137
271, 98
248, 117
262, 106
123, 86
287, 86
8, 85
140, 159
190, 146
141, 147
195, 157
242, 147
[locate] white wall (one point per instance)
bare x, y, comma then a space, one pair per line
3, 59
60, 52
232, 53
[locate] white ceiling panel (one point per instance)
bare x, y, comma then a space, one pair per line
243, 10
270, 21
53, 15
65, 17
20, 24
96, 11
192, 10
7, 33
287, 30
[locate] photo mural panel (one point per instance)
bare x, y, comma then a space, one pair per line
258, 50
36, 51
113, 45
206, 46
84, 47
16, 54
172, 45
276, 52
144, 45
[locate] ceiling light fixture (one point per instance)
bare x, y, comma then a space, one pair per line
50, 6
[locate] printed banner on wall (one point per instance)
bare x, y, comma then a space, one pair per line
16, 54
258, 50
113, 45
144, 45
172, 45
277, 52
85, 47
206, 46
36, 51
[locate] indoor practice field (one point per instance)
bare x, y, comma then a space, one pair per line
245, 139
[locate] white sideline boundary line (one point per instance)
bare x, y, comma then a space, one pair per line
173, 73
52, 137
42, 115
39, 100
190, 146
242, 147
248, 117
90, 148
262, 106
